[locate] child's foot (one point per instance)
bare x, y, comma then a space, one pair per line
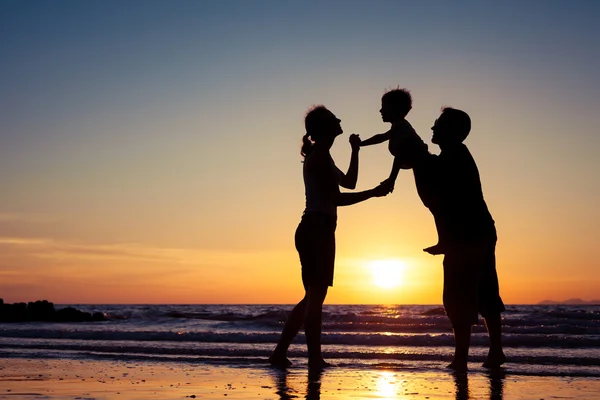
435, 250
494, 359
318, 364
279, 361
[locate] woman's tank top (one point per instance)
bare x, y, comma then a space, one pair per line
321, 183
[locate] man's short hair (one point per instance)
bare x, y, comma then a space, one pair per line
460, 122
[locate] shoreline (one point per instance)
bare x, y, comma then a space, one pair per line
28, 378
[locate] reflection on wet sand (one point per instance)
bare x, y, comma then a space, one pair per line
285, 386
496, 378
387, 384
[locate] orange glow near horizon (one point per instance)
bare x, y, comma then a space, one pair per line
74, 273
385, 273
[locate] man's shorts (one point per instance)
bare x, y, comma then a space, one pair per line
471, 283
315, 242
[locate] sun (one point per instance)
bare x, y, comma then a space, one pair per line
387, 274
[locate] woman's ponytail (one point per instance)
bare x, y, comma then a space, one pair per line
307, 146
313, 122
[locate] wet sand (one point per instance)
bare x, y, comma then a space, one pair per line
75, 379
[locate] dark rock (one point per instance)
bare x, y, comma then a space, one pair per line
16, 312
98, 316
40, 311
435, 311
71, 314
43, 311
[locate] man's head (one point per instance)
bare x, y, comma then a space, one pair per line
395, 104
452, 126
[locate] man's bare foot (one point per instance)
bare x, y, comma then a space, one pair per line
318, 364
458, 366
494, 359
435, 250
279, 361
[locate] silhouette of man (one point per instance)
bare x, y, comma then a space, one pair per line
449, 185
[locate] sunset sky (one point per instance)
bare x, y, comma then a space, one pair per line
149, 150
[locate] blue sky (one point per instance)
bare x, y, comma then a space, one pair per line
178, 124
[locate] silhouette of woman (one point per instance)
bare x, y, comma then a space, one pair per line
315, 235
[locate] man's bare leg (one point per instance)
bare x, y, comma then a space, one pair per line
495, 357
462, 338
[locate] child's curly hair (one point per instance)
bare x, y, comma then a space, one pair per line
399, 98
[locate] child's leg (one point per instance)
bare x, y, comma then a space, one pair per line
438, 248
435, 249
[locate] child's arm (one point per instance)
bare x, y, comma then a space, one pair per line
375, 139
395, 170
412, 148
393, 174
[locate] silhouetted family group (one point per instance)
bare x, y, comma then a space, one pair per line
448, 185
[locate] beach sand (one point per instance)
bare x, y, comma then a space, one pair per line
75, 379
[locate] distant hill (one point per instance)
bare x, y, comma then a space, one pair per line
571, 301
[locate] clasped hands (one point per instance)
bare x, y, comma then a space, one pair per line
355, 141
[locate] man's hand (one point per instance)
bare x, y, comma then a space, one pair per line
389, 184
354, 141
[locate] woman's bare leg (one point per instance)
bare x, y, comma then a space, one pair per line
315, 296
290, 330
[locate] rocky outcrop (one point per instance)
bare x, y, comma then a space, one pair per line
44, 311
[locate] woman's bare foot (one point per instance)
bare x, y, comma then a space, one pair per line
318, 364
279, 361
494, 359
458, 367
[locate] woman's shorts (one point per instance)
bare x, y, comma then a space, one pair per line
315, 242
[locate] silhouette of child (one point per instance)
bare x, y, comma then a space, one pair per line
403, 141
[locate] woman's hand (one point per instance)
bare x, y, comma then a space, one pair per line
354, 141
381, 190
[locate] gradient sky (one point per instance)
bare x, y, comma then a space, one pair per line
149, 150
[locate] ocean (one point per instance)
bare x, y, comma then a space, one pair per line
544, 340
